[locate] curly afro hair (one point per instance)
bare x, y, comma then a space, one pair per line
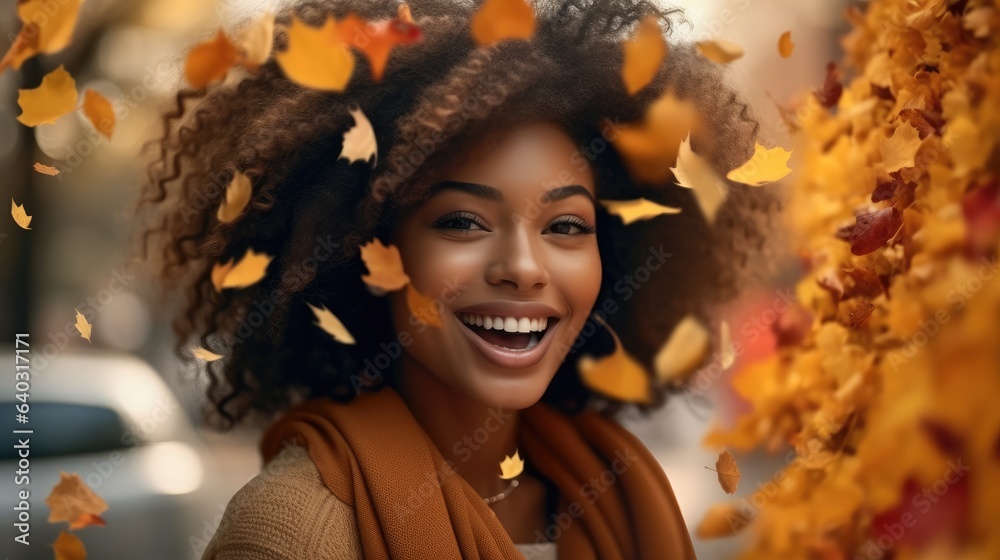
312, 211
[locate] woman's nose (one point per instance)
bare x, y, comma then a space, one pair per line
519, 260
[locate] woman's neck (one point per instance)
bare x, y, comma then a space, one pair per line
474, 437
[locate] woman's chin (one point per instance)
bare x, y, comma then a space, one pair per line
511, 393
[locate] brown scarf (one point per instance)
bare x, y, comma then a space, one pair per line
614, 499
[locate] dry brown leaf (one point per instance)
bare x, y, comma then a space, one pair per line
617, 375
498, 20
99, 112
719, 51
785, 45
53, 98
248, 270
72, 500
422, 307
359, 141
237, 196
21, 217
385, 266
638, 209
83, 326
210, 60
317, 57
69, 547
45, 169
331, 325
644, 54
683, 351
728, 472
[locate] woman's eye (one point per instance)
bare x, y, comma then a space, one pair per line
566, 227
461, 221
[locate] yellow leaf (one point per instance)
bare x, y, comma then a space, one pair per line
637, 209
649, 148
237, 197
257, 41
511, 466
206, 355
728, 472
23, 47
359, 140
21, 217
99, 112
422, 307
385, 266
727, 355
330, 324
644, 54
721, 520
785, 44
69, 547
720, 51
695, 173
317, 57
899, 150
47, 27
248, 270
683, 352
55, 97
45, 169
73, 501
764, 166
210, 60
403, 13
83, 326
617, 375
219, 272
497, 20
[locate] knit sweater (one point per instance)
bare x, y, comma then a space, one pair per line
287, 513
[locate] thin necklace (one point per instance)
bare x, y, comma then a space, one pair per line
506, 492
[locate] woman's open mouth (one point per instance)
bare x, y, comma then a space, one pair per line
509, 347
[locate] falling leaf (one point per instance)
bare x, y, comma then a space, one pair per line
359, 140
683, 351
99, 112
69, 547
728, 472
830, 93
206, 355
617, 375
219, 272
210, 60
317, 57
422, 307
72, 500
720, 51
721, 520
403, 13
257, 41
644, 54
87, 520
649, 148
764, 166
237, 196
248, 270
785, 44
899, 150
727, 354
385, 266
377, 39
21, 217
637, 209
511, 466
83, 326
330, 324
55, 97
45, 169
695, 173
872, 230
497, 20
47, 28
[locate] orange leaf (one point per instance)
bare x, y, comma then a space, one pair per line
728, 472
71, 499
99, 112
385, 266
210, 60
86, 520
53, 98
617, 375
21, 217
47, 27
247, 271
377, 39
219, 272
785, 45
719, 51
237, 196
721, 520
648, 148
644, 54
331, 325
696, 173
683, 351
83, 326
900, 149
422, 307
45, 169
497, 20
317, 57
69, 547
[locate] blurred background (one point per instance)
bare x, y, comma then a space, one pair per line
169, 486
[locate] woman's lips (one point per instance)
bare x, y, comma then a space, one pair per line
506, 357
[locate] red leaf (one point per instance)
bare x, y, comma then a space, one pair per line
829, 94
872, 230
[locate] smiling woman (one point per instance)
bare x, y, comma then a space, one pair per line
493, 167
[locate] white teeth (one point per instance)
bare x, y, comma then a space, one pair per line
533, 325
523, 324
508, 324
488, 323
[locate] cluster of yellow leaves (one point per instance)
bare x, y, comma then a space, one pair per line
896, 210
71, 500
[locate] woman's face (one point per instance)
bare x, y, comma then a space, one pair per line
506, 241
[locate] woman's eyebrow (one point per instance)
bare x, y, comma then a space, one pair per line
494, 194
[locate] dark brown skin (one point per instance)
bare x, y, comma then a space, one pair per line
522, 255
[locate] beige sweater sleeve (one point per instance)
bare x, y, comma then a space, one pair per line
286, 513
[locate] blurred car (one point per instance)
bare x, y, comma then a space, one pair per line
112, 420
